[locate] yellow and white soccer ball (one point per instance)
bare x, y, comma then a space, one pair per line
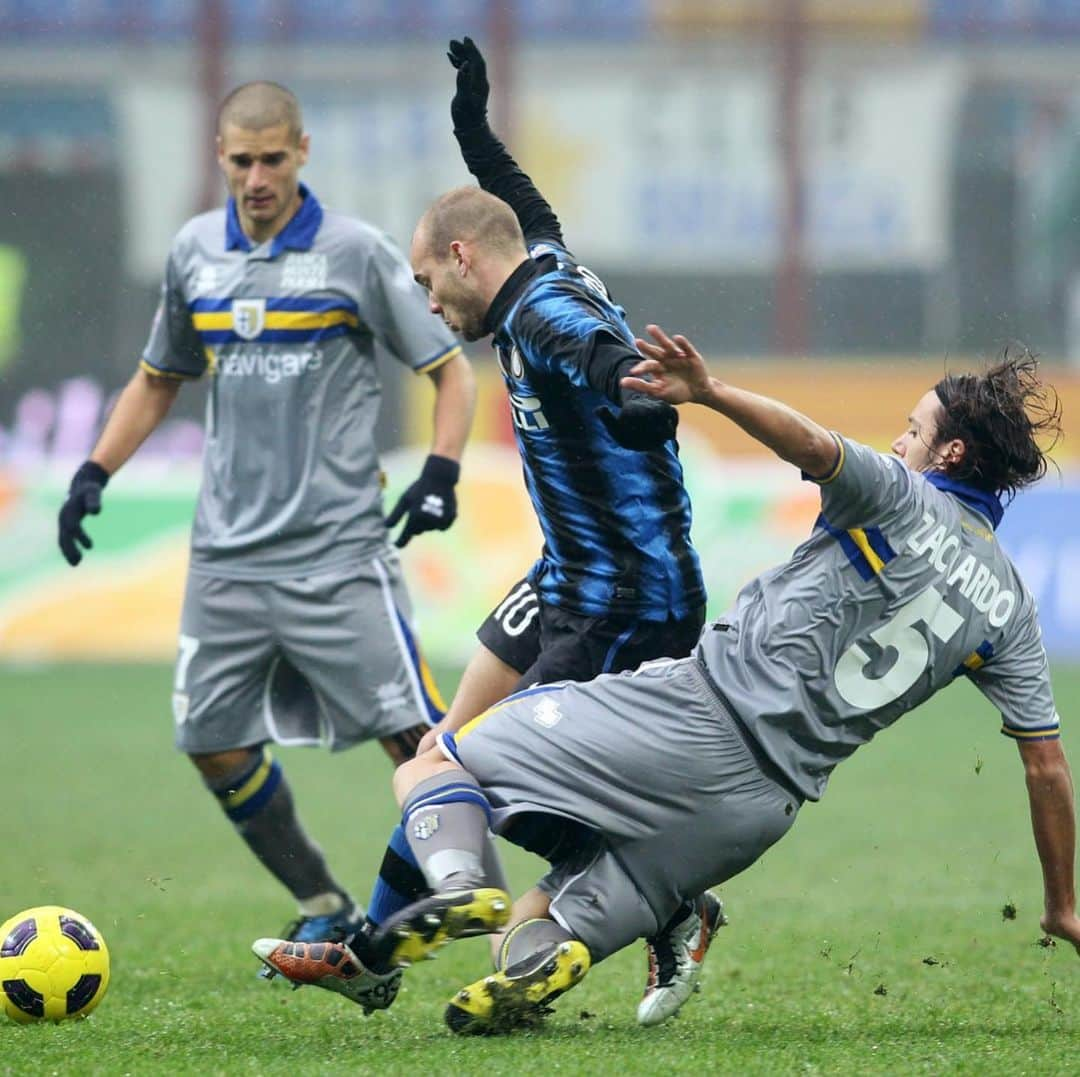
54, 964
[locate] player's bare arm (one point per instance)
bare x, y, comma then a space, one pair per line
677, 375
1050, 792
140, 409
455, 404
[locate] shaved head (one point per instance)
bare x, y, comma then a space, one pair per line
256, 106
464, 248
471, 215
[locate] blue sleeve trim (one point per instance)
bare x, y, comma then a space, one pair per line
448, 743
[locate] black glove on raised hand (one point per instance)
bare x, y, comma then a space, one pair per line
469, 107
642, 423
84, 498
429, 502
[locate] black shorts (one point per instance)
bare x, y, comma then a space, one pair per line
545, 643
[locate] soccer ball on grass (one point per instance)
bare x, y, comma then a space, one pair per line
53, 965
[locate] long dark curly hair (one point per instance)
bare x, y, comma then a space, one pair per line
1007, 418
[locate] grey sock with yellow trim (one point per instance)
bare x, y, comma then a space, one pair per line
257, 798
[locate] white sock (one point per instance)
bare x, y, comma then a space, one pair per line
322, 904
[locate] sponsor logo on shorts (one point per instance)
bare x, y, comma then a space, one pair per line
391, 696
547, 713
425, 826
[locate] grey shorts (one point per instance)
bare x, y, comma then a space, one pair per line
328, 660
654, 764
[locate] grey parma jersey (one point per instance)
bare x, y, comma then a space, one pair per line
291, 482
900, 589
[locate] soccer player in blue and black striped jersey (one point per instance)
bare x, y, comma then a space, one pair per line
618, 581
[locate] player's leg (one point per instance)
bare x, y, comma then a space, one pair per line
486, 679
223, 673
508, 644
445, 819
655, 764
676, 953
354, 640
255, 795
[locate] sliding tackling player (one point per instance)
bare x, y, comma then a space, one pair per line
658, 783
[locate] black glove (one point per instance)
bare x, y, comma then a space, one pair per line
430, 501
84, 497
469, 107
642, 423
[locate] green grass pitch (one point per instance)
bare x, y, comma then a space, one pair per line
872, 939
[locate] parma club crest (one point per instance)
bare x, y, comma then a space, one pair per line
248, 317
426, 826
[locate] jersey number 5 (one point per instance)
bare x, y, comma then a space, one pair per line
900, 635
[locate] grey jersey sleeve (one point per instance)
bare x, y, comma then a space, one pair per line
1018, 684
174, 348
396, 309
863, 486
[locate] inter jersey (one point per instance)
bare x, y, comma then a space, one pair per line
615, 521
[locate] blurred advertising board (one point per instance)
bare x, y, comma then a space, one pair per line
666, 172
123, 601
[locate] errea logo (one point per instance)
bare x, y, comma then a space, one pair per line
547, 713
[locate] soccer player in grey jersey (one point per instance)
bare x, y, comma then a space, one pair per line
655, 784
296, 625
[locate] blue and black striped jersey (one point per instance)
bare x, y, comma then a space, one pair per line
616, 522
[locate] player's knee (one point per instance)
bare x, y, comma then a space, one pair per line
409, 775
215, 766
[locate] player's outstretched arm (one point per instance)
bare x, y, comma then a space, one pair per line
142, 405
485, 156
1053, 820
677, 374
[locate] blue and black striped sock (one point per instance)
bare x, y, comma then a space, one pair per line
400, 881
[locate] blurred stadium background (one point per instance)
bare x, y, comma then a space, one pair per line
835, 198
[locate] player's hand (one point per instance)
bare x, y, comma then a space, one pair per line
83, 499
469, 106
674, 366
1063, 926
642, 423
427, 741
430, 503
